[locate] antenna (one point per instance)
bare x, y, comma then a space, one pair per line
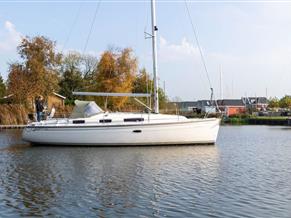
232, 94
165, 87
221, 86
266, 92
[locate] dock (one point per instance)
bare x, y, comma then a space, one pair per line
12, 126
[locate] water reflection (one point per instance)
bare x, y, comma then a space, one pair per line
39, 181
239, 176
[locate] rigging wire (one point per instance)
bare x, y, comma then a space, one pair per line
212, 96
149, 85
198, 45
72, 27
92, 25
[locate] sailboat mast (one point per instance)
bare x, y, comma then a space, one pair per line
155, 59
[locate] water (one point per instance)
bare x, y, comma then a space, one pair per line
247, 174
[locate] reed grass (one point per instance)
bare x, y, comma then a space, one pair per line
13, 114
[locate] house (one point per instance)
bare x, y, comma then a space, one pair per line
230, 107
187, 106
206, 106
55, 99
256, 103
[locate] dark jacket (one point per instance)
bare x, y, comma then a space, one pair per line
39, 106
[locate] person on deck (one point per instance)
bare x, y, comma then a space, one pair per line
39, 108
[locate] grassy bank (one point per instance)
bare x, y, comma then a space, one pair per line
234, 121
251, 120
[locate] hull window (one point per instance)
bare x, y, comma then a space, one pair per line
105, 121
78, 121
133, 119
137, 131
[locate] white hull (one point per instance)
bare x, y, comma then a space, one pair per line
189, 131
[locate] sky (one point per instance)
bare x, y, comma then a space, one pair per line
246, 43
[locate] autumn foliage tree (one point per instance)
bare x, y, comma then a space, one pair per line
37, 72
18, 83
116, 72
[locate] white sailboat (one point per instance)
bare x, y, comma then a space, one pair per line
89, 125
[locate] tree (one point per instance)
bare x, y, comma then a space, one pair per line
116, 72
273, 103
71, 75
40, 64
2, 87
37, 74
285, 102
162, 98
18, 83
144, 84
89, 64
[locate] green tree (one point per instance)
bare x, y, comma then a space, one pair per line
2, 87
285, 102
273, 103
163, 100
71, 75
144, 84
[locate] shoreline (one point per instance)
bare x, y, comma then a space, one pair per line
271, 121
